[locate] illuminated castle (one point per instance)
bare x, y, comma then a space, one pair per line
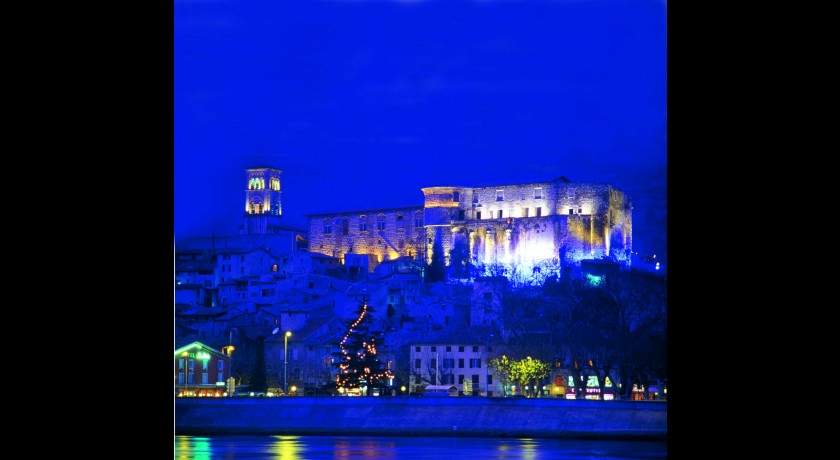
557, 222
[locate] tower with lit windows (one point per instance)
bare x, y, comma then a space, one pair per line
262, 201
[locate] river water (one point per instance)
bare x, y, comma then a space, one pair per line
408, 448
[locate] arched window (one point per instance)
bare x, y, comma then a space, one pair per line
362, 223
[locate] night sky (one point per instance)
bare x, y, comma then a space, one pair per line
362, 103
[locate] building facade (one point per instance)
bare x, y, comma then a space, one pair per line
201, 371
557, 222
385, 234
461, 364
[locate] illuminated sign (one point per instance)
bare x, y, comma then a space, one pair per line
202, 355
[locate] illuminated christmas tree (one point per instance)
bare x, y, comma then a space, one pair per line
358, 363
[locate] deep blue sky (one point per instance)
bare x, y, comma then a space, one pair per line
362, 103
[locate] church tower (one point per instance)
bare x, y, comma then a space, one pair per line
262, 201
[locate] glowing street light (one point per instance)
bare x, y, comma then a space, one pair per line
285, 358
285, 354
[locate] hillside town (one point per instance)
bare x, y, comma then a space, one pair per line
459, 289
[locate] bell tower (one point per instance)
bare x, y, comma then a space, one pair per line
262, 201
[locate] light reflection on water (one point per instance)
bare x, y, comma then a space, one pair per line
408, 448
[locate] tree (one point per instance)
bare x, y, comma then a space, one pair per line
358, 362
436, 270
501, 368
526, 372
459, 258
258, 381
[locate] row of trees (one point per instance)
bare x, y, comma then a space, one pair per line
614, 325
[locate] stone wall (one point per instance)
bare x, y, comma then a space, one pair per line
422, 416
400, 236
523, 224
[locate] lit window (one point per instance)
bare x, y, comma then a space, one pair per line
538, 193
500, 195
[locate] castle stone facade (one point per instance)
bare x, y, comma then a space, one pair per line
559, 222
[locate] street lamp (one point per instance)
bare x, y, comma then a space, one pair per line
285, 358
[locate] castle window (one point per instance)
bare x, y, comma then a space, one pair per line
275, 268
456, 197
362, 223
380, 222
478, 215
345, 227
327, 227
524, 212
571, 211
580, 210
538, 211
500, 195
461, 214
400, 221
475, 198
500, 213
401, 244
418, 220
570, 192
275, 183
538, 193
